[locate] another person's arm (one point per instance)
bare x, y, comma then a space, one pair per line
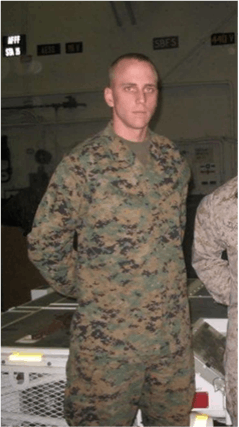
208, 246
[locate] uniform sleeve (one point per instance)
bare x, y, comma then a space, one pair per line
183, 210
207, 250
185, 174
50, 242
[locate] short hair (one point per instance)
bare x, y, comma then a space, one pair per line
138, 56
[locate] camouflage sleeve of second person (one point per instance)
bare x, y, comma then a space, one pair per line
207, 250
50, 242
183, 209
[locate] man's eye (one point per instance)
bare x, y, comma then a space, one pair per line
129, 88
150, 89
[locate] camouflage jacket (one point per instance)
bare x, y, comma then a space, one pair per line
128, 273
216, 226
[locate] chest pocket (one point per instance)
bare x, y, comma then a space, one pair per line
131, 194
117, 200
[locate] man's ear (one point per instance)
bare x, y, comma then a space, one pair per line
108, 95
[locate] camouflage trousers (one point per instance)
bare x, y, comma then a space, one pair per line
232, 383
106, 391
232, 399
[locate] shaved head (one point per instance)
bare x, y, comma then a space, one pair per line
128, 56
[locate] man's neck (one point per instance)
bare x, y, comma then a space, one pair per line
130, 134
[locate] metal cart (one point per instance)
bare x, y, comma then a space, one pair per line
35, 348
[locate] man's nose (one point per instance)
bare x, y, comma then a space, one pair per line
141, 96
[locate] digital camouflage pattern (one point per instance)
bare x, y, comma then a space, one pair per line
128, 275
108, 391
216, 230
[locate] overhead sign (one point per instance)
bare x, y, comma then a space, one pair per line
14, 45
222, 38
170, 42
48, 49
74, 47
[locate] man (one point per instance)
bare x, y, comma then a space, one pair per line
130, 336
216, 231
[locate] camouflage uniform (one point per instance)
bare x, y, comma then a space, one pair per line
215, 231
130, 336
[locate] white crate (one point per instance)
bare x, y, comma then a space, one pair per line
33, 394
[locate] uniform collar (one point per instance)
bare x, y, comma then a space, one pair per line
119, 149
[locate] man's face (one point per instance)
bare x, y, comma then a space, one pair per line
132, 95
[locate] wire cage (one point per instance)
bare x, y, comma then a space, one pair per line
32, 397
